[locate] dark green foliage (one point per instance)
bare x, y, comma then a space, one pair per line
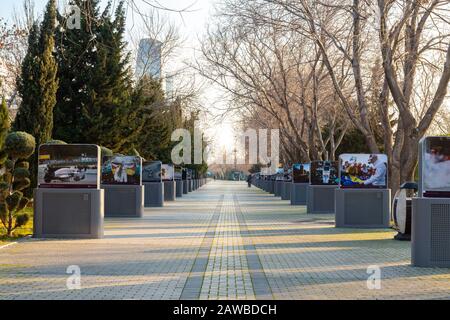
22, 184
9, 164
13, 200
94, 98
4, 122
3, 212
105, 152
38, 83
55, 142
189, 124
15, 179
353, 142
21, 174
19, 145
23, 164
22, 219
4, 128
156, 121
3, 187
22, 204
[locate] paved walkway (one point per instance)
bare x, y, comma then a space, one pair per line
224, 241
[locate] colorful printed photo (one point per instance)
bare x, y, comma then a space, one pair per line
125, 170
151, 171
363, 171
300, 172
324, 173
69, 166
436, 167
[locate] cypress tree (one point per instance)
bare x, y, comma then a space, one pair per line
4, 129
152, 136
107, 119
76, 57
38, 84
95, 94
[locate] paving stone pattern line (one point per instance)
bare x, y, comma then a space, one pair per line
227, 275
192, 288
260, 283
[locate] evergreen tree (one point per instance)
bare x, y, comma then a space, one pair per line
95, 96
106, 121
76, 57
38, 84
157, 120
4, 129
189, 124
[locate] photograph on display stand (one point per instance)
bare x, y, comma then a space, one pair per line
68, 166
436, 167
279, 174
300, 172
151, 171
325, 173
167, 172
363, 171
123, 170
178, 173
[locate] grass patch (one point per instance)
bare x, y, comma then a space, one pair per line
20, 232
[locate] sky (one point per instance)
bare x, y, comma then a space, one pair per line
192, 24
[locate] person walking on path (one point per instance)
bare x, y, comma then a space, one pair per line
249, 180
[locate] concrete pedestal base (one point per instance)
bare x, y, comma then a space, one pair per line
270, 186
320, 199
185, 187
68, 213
430, 233
170, 192
362, 208
154, 194
179, 188
299, 194
277, 188
190, 185
286, 191
124, 201
263, 185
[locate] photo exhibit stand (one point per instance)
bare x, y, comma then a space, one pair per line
286, 191
196, 184
185, 187
179, 188
320, 199
264, 185
170, 192
430, 238
362, 208
277, 188
68, 213
299, 194
154, 194
271, 186
124, 201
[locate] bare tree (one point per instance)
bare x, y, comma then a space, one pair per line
13, 47
276, 79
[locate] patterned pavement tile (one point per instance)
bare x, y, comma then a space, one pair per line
223, 241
